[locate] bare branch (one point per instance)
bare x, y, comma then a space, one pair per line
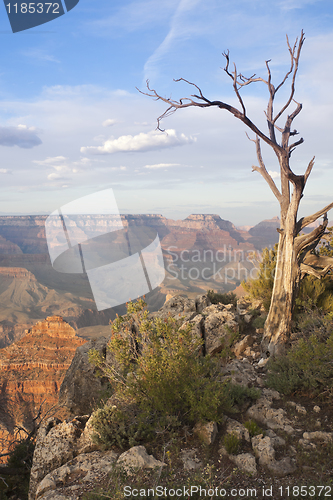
294, 68
309, 169
318, 273
237, 91
263, 171
305, 221
321, 261
309, 241
188, 102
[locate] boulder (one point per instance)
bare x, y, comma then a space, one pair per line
273, 418
242, 345
81, 388
90, 467
219, 326
234, 427
206, 432
137, 458
324, 437
177, 307
263, 449
245, 462
201, 302
241, 372
57, 443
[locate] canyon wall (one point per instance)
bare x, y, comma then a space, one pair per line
31, 372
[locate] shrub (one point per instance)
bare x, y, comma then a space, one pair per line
312, 291
240, 394
253, 428
222, 298
259, 321
158, 365
231, 443
115, 427
306, 368
261, 287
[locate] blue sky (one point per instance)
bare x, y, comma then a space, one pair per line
72, 121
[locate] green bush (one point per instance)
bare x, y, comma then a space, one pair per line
231, 443
115, 427
222, 298
240, 394
159, 366
253, 428
261, 287
306, 368
259, 321
312, 293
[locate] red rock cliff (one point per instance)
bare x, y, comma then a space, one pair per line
31, 372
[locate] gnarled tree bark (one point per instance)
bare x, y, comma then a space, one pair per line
294, 258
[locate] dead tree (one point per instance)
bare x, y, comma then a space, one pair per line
294, 248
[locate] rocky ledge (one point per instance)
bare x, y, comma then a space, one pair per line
67, 463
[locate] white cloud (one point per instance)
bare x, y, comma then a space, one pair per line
51, 161
141, 142
56, 177
5, 171
21, 136
109, 122
162, 165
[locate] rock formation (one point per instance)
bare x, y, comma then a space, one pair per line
31, 372
67, 463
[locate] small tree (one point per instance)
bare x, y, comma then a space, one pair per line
294, 255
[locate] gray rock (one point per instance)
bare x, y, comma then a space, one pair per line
197, 328
190, 460
220, 323
201, 302
324, 437
263, 449
245, 462
282, 467
275, 439
206, 432
242, 345
90, 467
137, 458
240, 372
234, 427
299, 408
177, 307
80, 389
270, 417
56, 444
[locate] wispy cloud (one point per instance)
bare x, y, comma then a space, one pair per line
141, 142
40, 54
162, 165
178, 29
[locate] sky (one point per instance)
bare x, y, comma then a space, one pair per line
72, 121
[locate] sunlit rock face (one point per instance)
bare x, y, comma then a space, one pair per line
31, 372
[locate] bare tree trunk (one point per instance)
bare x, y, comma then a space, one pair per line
293, 260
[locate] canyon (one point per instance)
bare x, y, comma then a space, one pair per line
201, 252
31, 372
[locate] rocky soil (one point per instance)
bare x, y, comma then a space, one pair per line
292, 445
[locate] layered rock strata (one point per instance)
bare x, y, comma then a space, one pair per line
31, 372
